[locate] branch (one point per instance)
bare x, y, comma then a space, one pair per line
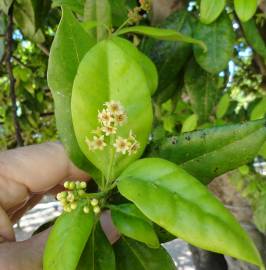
19, 61
43, 49
13, 97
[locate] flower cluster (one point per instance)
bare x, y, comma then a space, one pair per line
134, 15
76, 192
111, 118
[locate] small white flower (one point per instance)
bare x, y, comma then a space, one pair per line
108, 130
121, 145
133, 149
91, 144
105, 117
120, 119
114, 107
99, 142
97, 131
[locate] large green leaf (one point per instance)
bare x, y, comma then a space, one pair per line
169, 56
219, 38
133, 255
74, 5
162, 34
69, 46
108, 73
245, 9
179, 203
254, 38
132, 223
146, 64
204, 153
5, 5
202, 88
98, 253
67, 240
99, 11
210, 10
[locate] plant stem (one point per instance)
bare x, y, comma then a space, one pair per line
112, 155
121, 26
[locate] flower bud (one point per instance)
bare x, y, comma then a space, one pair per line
70, 197
86, 209
96, 209
71, 186
58, 196
67, 209
94, 202
77, 184
81, 192
83, 185
63, 194
66, 184
73, 205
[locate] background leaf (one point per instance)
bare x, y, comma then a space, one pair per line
2, 32
98, 82
210, 10
130, 222
69, 46
74, 5
190, 123
222, 106
187, 208
67, 240
245, 9
203, 90
204, 153
259, 110
219, 38
98, 253
5, 5
133, 255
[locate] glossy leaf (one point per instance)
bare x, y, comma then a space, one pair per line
98, 253
259, 110
130, 222
210, 10
67, 240
254, 37
219, 38
69, 46
187, 208
147, 65
5, 5
133, 255
99, 11
162, 34
74, 5
202, 91
204, 153
190, 123
108, 73
222, 106
168, 56
245, 9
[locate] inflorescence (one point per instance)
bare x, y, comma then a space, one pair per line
111, 118
134, 15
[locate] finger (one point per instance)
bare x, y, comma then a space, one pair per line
39, 167
6, 229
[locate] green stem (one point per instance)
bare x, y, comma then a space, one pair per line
94, 195
121, 26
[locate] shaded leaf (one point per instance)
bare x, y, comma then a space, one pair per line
2, 32
210, 10
219, 38
98, 253
245, 9
202, 88
204, 153
69, 46
259, 110
187, 208
130, 222
67, 240
190, 123
74, 5
5, 5
98, 82
222, 106
133, 255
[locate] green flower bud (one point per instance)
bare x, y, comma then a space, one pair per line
77, 183
86, 209
83, 185
73, 205
67, 209
63, 194
94, 202
70, 197
58, 196
81, 192
96, 209
71, 186
66, 184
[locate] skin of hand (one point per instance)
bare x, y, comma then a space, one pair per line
26, 174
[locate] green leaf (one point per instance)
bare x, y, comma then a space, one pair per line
5, 5
98, 253
74, 5
168, 56
133, 255
147, 65
210, 10
262, 151
67, 240
259, 213
204, 153
108, 73
203, 91
190, 123
2, 32
130, 222
245, 9
259, 110
254, 37
219, 38
223, 106
179, 203
162, 34
99, 11
69, 46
